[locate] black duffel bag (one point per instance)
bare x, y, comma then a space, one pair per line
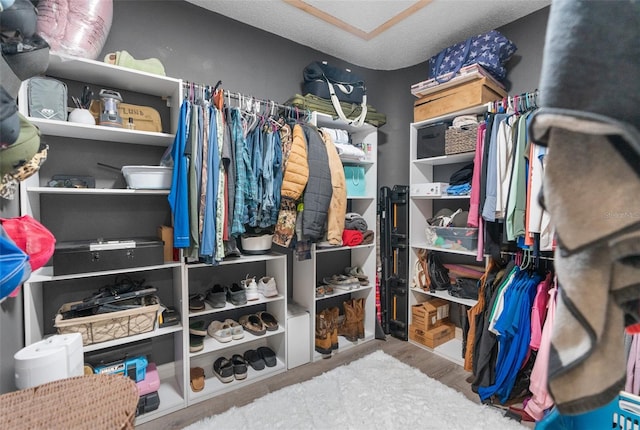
348, 86
330, 82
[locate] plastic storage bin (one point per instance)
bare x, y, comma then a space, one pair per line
621, 413
456, 238
148, 177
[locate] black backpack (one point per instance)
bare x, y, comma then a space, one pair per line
438, 274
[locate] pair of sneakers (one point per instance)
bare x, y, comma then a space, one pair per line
266, 286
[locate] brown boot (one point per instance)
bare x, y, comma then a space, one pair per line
349, 326
323, 337
334, 313
358, 305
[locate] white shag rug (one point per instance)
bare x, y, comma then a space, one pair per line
374, 392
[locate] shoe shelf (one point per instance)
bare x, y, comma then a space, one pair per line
344, 345
199, 278
214, 387
208, 310
212, 345
338, 292
95, 191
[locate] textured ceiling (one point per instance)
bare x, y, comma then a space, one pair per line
377, 34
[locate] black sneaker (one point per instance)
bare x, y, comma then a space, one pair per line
236, 295
216, 297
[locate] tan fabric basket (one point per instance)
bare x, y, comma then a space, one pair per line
108, 326
458, 140
81, 402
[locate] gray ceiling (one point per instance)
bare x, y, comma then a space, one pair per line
377, 34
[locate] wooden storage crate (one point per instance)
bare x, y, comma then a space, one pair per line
452, 99
112, 325
434, 337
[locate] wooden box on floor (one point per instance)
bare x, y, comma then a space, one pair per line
434, 337
452, 99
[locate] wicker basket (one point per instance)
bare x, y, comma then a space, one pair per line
458, 140
80, 402
108, 326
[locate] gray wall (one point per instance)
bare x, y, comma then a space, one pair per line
264, 65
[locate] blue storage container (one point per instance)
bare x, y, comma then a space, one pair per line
621, 413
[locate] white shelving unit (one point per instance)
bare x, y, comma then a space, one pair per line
201, 277
40, 201
43, 284
307, 274
422, 208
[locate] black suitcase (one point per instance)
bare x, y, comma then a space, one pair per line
99, 255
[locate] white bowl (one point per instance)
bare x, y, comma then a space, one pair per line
148, 177
256, 244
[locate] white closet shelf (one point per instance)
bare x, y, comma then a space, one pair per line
345, 345
239, 260
45, 274
94, 191
342, 248
134, 338
208, 310
444, 159
446, 296
214, 387
104, 134
213, 345
447, 197
337, 292
435, 248
108, 75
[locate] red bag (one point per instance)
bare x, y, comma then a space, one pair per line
31, 237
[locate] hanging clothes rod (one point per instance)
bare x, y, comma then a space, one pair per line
246, 102
518, 103
532, 255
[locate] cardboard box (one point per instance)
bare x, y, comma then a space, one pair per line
430, 314
463, 96
166, 234
434, 337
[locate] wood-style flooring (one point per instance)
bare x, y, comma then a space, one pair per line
429, 363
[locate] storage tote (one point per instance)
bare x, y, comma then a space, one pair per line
455, 238
355, 180
459, 140
623, 412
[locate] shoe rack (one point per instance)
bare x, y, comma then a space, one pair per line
328, 313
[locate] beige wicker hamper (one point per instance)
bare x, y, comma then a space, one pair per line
81, 402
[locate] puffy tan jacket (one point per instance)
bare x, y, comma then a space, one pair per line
296, 173
338, 205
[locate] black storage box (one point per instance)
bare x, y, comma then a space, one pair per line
147, 403
431, 140
95, 256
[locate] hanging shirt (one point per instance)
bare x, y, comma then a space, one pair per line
241, 161
489, 205
210, 191
179, 193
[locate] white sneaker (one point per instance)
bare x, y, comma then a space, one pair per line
251, 288
267, 286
